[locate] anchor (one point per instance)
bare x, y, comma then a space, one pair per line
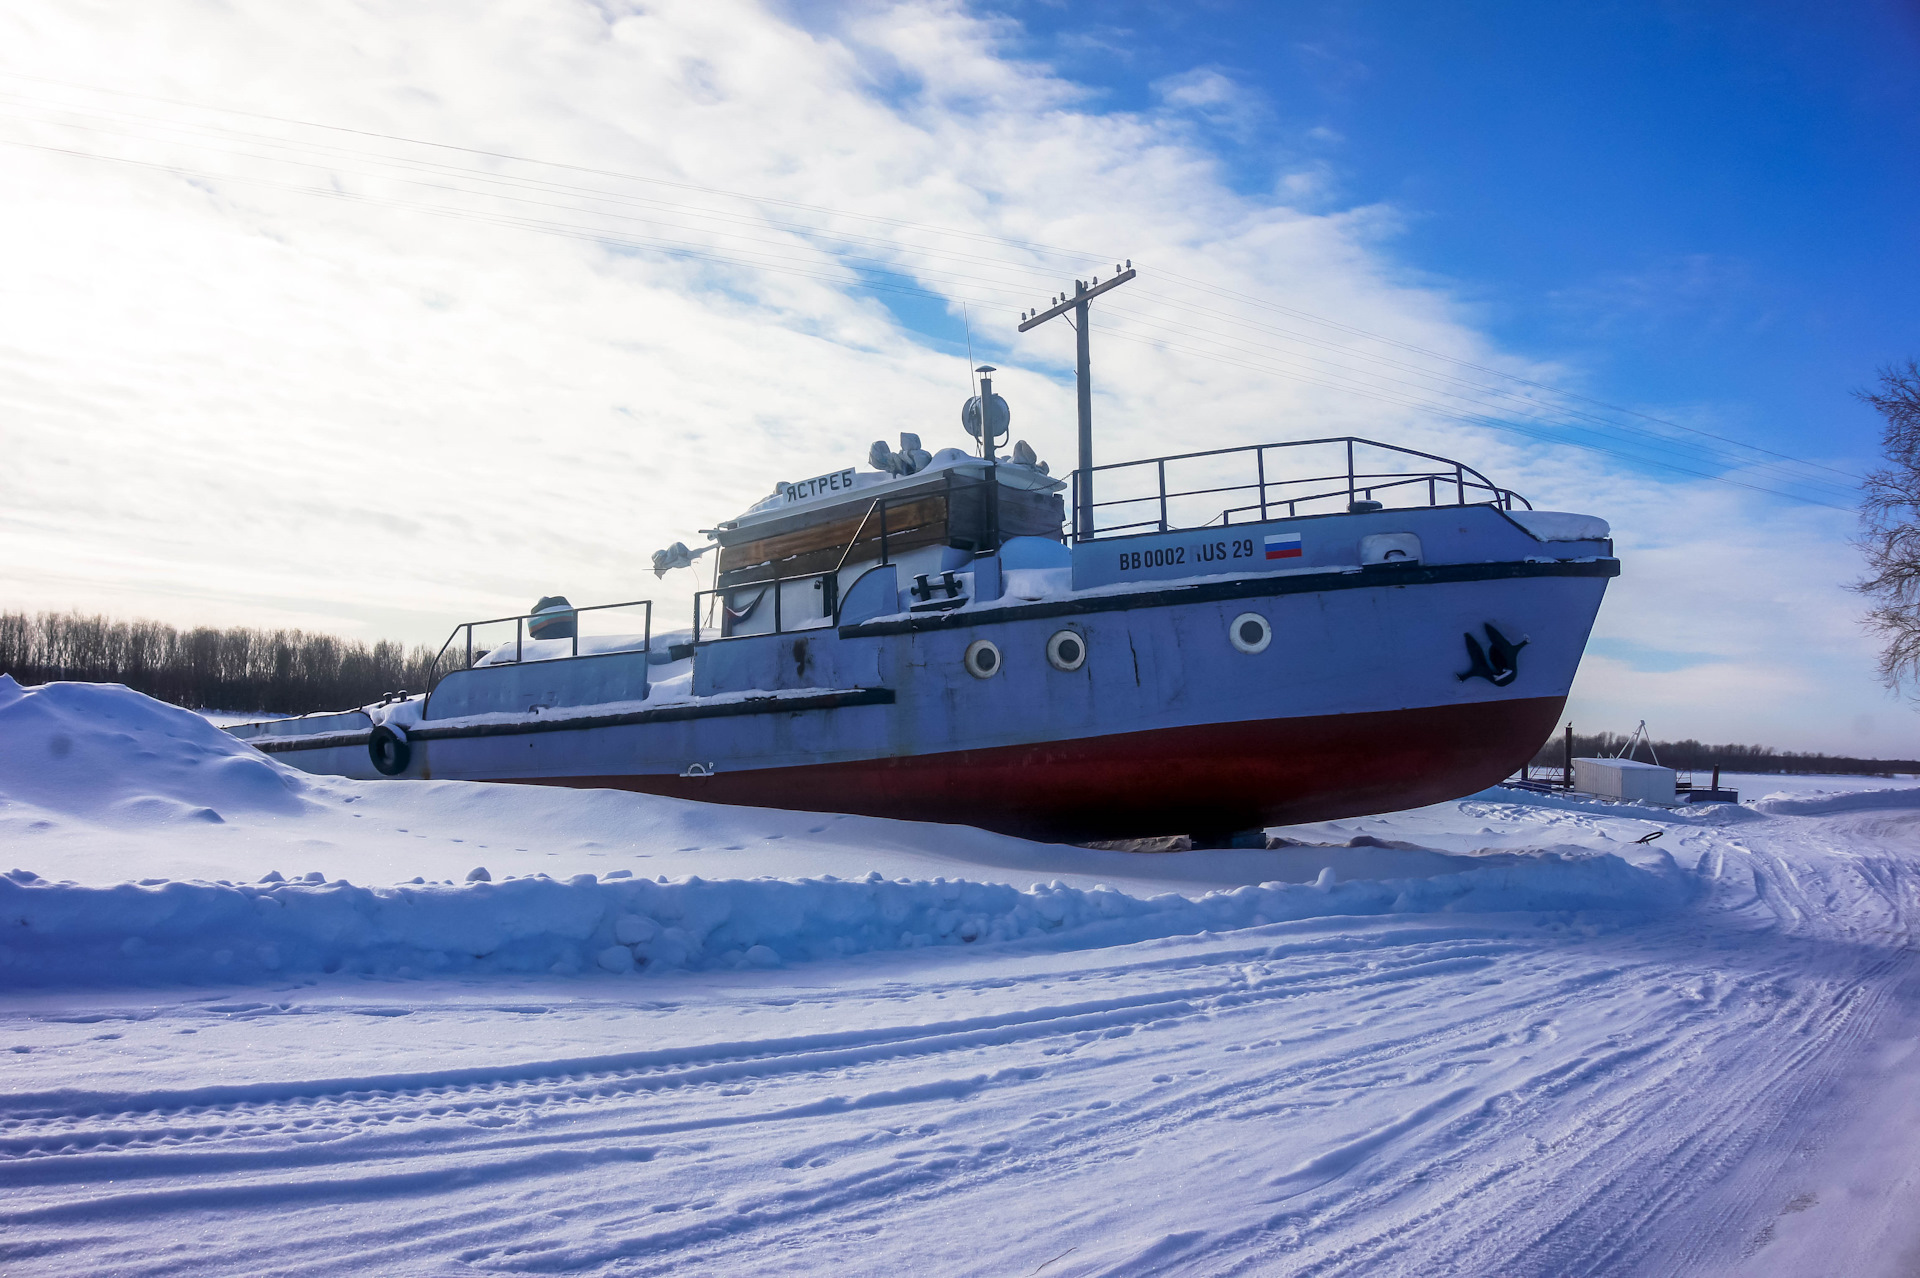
1498, 663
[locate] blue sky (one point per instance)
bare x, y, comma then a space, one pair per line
1702, 209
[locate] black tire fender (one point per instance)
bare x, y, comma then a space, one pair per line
390, 750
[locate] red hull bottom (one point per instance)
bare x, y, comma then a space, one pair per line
1203, 781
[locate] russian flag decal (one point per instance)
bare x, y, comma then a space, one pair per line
1283, 546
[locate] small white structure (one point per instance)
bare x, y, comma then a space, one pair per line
1624, 779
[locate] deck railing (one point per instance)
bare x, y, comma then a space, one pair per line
1358, 470
520, 636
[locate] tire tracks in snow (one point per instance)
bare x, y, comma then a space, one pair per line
1526, 1095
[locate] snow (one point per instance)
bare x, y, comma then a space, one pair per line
1038, 583
67, 935
129, 761
529, 650
1012, 474
1556, 525
227, 718
1499, 1035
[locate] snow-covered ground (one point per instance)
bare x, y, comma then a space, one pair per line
1497, 1036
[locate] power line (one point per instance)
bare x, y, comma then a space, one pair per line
498, 179
558, 164
555, 228
1454, 415
1527, 407
781, 265
882, 265
1336, 324
905, 223
878, 272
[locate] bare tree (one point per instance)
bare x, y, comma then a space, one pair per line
237, 669
1890, 516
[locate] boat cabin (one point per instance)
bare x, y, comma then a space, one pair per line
788, 561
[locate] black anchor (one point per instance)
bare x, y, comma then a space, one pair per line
1498, 663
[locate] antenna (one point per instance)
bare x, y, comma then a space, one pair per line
968, 321
1077, 303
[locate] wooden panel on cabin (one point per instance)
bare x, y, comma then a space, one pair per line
828, 558
788, 544
819, 548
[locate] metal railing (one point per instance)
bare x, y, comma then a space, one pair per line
829, 604
1541, 777
1264, 497
520, 636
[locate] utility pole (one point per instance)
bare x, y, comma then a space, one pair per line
1077, 304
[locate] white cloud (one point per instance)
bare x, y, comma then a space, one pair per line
1201, 89
426, 398
1211, 95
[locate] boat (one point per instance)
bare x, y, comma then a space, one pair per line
1226, 640
1216, 642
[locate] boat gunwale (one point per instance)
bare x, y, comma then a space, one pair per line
1167, 596
767, 703
772, 702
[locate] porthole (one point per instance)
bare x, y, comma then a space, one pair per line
1250, 632
983, 659
1067, 650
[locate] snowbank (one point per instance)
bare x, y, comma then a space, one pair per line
105, 755
101, 785
109, 754
1824, 804
63, 934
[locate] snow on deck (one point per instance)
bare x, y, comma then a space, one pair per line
1490, 1036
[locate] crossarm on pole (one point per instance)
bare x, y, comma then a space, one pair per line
1043, 316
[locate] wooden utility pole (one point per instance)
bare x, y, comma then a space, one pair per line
1077, 303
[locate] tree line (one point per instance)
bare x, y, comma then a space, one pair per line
1692, 755
239, 669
